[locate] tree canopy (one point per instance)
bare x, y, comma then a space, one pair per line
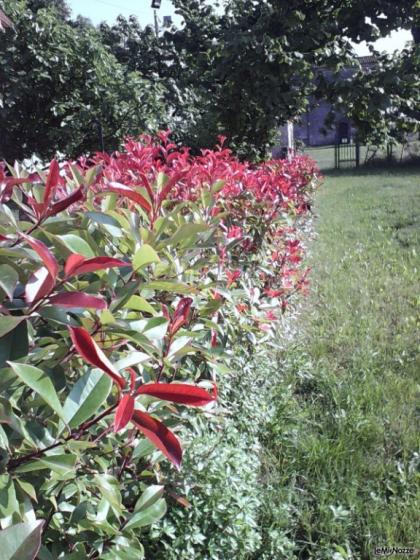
239, 72
58, 81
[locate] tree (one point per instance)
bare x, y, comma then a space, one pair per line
256, 61
160, 60
74, 82
60, 6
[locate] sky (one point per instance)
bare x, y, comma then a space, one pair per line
108, 10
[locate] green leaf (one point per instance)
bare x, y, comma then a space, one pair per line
27, 488
86, 397
132, 359
39, 382
161, 180
60, 464
14, 344
76, 244
138, 303
149, 497
110, 224
107, 318
8, 502
147, 516
183, 233
144, 448
218, 186
110, 489
166, 286
9, 322
8, 279
144, 256
21, 541
154, 328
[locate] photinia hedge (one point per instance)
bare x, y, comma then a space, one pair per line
126, 280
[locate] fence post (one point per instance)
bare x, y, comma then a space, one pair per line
336, 158
357, 153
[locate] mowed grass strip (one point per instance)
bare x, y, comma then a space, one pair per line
342, 453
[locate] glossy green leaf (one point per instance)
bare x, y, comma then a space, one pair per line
8, 279
14, 344
39, 382
61, 464
137, 303
86, 397
8, 323
27, 488
132, 359
184, 232
144, 256
21, 541
173, 287
8, 502
110, 489
76, 244
149, 497
143, 449
148, 515
109, 224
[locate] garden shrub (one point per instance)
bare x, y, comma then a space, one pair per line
131, 284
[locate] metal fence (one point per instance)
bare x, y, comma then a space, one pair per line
326, 156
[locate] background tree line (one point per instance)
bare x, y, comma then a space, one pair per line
240, 73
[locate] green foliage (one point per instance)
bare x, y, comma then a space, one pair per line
119, 305
223, 500
257, 62
22, 541
240, 72
383, 102
74, 83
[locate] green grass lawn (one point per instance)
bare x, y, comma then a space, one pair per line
342, 453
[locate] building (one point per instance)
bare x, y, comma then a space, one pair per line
311, 128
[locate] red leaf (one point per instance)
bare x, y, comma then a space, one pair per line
146, 184
170, 184
37, 207
52, 181
78, 264
39, 285
181, 314
181, 393
78, 299
160, 436
11, 181
65, 202
131, 194
91, 352
46, 256
73, 261
124, 412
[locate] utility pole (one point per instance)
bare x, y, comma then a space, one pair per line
156, 5
156, 23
